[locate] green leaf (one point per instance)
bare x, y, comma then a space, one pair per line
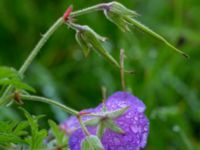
10, 138
59, 134
12, 131
91, 143
8, 72
16, 83
35, 141
9, 76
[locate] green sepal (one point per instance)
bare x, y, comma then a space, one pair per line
84, 46
124, 18
116, 113
91, 143
94, 40
118, 8
100, 129
110, 124
89, 39
92, 122
147, 30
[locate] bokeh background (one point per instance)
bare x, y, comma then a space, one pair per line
167, 83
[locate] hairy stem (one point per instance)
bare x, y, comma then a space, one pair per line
43, 40
34, 53
49, 101
39, 45
97, 7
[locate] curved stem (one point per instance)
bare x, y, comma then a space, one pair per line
49, 101
90, 9
85, 130
122, 69
33, 54
40, 44
44, 39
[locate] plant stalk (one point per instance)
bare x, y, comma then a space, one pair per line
44, 39
49, 101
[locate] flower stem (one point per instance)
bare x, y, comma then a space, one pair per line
49, 101
97, 7
40, 44
33, 54
85, 130
122, 69
44, 39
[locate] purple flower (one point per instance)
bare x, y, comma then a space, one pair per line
133, 122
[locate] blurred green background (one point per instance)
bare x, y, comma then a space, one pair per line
168, 84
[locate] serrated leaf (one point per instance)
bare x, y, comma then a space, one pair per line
9, 76
8, 72
10, 138
61, 139
11, 132
16, 83
35, 141
19, 130
91, 143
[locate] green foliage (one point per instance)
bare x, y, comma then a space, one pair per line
60, 136
36, 140
9, 76
168, 84
12, 132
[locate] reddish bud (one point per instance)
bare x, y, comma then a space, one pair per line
67, 13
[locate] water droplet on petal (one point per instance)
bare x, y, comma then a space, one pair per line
134, 129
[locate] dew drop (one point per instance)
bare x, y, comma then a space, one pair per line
134, 129
145, 128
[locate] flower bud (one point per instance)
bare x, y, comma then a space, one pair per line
89, 39
117, 13
124, 18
